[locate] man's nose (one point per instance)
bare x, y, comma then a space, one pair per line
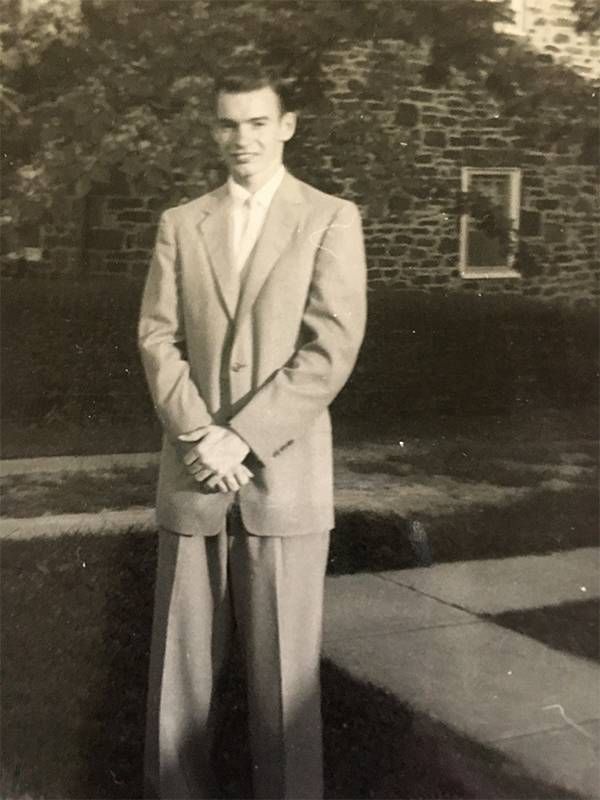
242, 134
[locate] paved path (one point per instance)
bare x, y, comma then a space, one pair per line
416, 633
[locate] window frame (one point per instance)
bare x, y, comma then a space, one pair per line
506, 270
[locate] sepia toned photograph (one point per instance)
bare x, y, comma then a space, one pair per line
299, 399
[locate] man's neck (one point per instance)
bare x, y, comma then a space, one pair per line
253, 183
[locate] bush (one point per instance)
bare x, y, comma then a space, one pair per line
465, 353
69, 353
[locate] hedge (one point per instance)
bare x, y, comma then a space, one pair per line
69, 353
469, 353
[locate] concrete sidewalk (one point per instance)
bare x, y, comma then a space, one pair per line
418, 634
422, 635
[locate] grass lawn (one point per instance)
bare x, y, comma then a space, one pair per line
485, 488
65, 438
525, 426
424, 466
64, 493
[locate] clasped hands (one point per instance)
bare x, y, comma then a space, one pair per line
215, 458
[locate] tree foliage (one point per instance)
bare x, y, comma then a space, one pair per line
587, 16
123, 86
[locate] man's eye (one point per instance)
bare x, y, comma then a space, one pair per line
259, 124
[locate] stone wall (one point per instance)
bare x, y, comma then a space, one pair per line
396, 148
413, 241
549, 27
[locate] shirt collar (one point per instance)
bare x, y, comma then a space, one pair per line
263, 196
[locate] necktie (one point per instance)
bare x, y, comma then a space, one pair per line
248, 235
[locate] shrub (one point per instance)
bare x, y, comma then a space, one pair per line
69, 353
467, 353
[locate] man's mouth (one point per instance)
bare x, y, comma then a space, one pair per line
242, 156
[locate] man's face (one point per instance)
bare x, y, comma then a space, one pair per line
251, 132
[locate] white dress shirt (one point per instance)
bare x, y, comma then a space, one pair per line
247, 216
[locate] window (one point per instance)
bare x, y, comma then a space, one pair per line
490, 221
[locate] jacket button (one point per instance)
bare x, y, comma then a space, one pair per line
237, 366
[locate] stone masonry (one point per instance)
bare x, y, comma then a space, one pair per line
549, 28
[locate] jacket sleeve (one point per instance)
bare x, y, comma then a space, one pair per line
333, 327
161, 339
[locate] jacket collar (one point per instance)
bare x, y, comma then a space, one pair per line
282, 219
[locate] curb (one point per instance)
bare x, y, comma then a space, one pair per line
100, 522
24, 466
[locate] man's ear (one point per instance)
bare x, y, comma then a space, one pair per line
289, 121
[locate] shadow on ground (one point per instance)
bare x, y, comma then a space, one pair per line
77, 615
540, 523
571, 627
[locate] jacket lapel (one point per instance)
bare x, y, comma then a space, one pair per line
282, 220
214, 229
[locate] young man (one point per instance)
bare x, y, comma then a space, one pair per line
251, 321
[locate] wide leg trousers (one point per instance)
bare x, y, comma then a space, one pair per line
271, 590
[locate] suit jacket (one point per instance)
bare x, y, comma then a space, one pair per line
266, 355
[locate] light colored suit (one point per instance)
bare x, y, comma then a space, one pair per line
266, 353
268, 356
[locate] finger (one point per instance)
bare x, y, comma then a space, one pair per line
197, 467
242, 477
214, 480
202, 475
191, 456
194, 436
243, 474
222, 487
231, 482
201, 462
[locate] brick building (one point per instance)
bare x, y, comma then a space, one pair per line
404, 152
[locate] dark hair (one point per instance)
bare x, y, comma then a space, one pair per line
244, 75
